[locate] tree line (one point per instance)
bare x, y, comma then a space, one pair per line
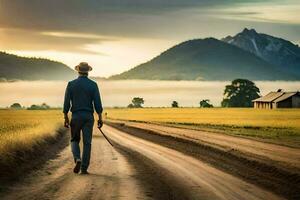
18, 106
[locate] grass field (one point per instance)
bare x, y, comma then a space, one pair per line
282, 124
21, 130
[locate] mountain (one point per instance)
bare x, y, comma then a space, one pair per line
206, 59
21, 68
279, 52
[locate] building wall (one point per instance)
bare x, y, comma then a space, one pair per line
288, 103
263, 105
296, 101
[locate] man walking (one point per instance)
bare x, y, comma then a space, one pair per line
82, 96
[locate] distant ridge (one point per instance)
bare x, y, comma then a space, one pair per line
281, 53
14, 67
207, 59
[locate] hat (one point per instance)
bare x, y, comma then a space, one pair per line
83, 67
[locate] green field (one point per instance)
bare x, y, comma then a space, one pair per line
21, 130
281, 125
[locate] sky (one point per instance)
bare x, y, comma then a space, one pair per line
116, 35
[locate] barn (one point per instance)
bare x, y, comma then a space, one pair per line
278, 99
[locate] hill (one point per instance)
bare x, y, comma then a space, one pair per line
277, 51
206, 59
21, 68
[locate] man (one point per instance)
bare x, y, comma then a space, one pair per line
82, 96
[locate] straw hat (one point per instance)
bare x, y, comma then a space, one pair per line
83, 67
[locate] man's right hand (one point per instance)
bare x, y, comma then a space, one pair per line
100, 123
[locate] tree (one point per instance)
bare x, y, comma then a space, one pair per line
34, 107
44, 106
137, 102
16, 106
130, 106
240, 93
205, 104
174, 104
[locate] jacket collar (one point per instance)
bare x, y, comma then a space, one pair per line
82, 77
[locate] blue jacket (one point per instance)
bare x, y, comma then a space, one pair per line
82, 95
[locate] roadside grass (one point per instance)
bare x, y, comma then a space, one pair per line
278, 125
22, 130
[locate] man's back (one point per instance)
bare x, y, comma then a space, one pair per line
82, 93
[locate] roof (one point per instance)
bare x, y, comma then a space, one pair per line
285, 96
270, 97
275, 97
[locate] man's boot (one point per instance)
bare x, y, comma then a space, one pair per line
77, 166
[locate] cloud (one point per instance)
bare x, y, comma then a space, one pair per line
19, 39
119, 34
158, 19
264, 12
105, 17
120, 18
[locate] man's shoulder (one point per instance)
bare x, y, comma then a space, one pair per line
92, 82
72, 82
85, 81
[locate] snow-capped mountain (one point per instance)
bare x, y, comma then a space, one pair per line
277, 51
206, 59
248, 55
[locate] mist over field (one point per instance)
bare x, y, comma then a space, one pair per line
120, 93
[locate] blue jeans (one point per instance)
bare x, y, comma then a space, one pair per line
82, 122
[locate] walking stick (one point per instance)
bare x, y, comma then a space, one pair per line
105, 137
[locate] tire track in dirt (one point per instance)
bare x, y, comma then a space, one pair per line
134, 169
199, 180
111, 177
279, 180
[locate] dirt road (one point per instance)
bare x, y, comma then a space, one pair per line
286, 157
111, 178
135, 169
